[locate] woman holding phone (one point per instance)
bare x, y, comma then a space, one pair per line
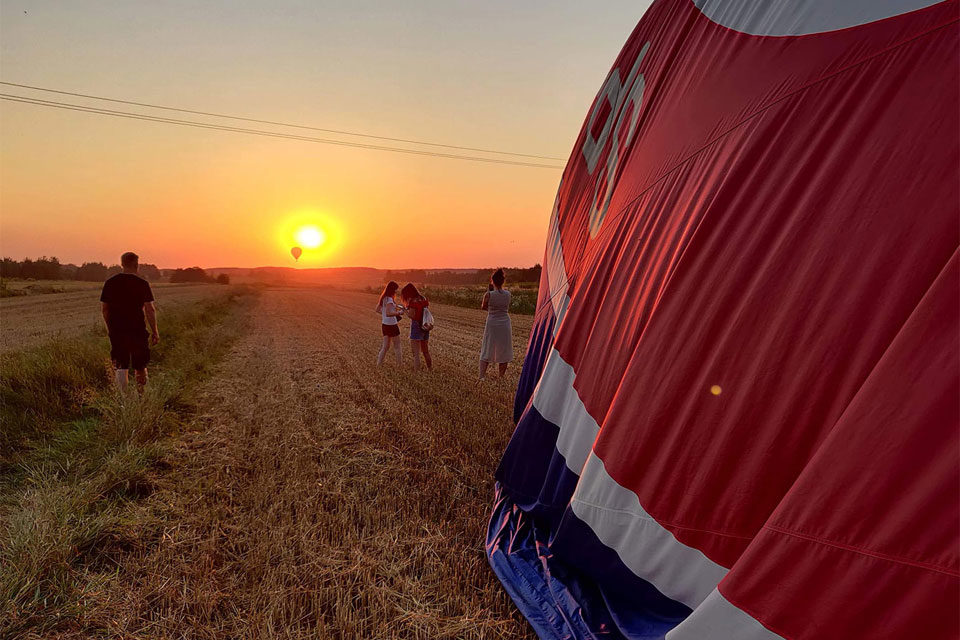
497, 347
390, 314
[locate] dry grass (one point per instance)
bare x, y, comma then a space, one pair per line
316, 496
76, 455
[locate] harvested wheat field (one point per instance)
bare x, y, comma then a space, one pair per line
316, 496
26, 321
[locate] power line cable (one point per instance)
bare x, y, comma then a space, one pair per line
260, 132
280, 124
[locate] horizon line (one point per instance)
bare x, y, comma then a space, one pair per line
365, 267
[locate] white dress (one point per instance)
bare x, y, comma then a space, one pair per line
497, 333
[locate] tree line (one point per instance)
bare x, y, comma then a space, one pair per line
45, 268
196, 274
462, 276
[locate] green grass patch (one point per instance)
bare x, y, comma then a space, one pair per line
76, 453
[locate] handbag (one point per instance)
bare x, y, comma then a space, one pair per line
427, 321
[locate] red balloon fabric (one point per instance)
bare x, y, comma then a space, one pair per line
744, 376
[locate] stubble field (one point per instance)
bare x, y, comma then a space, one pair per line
313, 495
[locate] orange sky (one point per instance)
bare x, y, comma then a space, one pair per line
87, 187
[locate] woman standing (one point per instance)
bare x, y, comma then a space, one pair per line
497, 333
419, 337
390, 315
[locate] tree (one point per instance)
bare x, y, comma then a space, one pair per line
43, 268
190, 274
92, 272
9, 268
223, 279
150, 271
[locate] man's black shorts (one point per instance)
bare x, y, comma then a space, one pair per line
130, 350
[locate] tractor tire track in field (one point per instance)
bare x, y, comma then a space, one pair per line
319, 496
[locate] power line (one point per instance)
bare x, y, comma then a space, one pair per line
259, 132
281, 124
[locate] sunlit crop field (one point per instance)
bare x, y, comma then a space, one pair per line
29, 320
308, 494
13, 287
523, 299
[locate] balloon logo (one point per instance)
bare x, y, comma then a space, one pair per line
295, 252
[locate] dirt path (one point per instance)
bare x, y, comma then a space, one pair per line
26, 321
321, 497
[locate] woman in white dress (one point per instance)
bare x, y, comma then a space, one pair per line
497, 333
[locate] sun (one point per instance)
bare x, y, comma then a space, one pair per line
314, 235
310, 237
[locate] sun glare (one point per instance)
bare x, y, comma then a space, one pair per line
316, 236
310, 237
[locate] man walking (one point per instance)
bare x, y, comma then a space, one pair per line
125, 300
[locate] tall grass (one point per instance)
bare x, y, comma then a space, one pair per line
41, 387
76, 453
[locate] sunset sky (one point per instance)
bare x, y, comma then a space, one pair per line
516, 76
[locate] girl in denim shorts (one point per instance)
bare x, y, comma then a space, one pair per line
419, 337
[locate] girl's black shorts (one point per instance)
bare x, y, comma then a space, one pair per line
390, 330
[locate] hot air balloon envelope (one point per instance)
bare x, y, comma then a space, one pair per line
737, 414
295, 252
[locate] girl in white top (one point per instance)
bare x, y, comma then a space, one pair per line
390, 314
497, 332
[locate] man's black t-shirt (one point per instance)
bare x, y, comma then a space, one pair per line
125, 295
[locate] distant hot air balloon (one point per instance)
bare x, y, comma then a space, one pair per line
295, 252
